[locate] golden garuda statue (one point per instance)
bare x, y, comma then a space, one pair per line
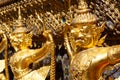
31, 30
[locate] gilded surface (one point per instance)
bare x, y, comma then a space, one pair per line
30, 30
